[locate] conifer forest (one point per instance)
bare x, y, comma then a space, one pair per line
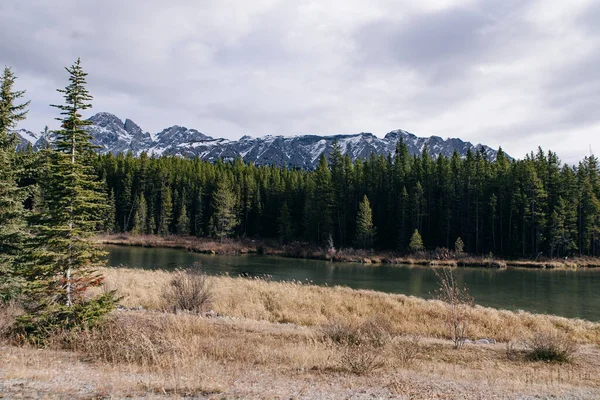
513, 208
507, 207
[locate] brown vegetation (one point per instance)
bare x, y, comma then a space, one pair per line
188, 290
438, 257
270, 339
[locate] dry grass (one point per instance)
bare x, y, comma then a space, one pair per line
336, 342
308, 305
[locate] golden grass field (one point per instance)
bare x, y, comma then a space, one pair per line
271, 340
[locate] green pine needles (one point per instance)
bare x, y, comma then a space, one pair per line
12, 227
365, 231
60, 263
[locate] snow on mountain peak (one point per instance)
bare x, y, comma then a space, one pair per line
303, 151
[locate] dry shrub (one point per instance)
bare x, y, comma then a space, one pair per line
188, 290
360, 359
511, 352
359, 345
458, 303
407, 350
550, 346
341, 333
375, 332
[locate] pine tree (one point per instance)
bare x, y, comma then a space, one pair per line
110, 223
12, 228
402, 219
183, 222
224, 219
284, 224
459, 246
323, 200
198, 214
139, 218
60, 264
416, 242
365, 231
166, 212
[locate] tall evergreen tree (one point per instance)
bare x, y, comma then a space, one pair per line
12, 228
60, 264
284, 224
166, 211
224, 219
110, 224
140, 217
198, 214
183, 221
323, 201
365, 231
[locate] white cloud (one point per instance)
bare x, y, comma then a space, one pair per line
501, 72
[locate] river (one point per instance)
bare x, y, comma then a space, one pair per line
569, 293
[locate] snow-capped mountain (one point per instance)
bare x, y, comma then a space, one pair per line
116, 136
113, 135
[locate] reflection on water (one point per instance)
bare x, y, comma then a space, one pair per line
574, 294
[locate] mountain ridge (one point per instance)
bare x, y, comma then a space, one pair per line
114, 135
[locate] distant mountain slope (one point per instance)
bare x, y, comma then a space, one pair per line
113, 135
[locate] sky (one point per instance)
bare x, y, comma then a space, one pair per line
512, 73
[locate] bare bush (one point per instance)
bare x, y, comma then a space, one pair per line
189, 290
407, 350
458, 302
341, 333
361, 359
511, 352
550, 346
374, 332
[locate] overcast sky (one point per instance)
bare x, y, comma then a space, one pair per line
510, 73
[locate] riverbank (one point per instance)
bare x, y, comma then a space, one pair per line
281, 340
308, 251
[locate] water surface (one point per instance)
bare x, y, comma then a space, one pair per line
573, 294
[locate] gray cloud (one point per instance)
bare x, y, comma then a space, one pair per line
501, 72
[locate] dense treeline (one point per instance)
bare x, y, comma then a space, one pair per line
513, 208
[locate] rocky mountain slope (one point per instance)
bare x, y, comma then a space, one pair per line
113, 135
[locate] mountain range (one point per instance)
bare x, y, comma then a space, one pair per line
112, 135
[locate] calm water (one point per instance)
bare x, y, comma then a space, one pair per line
574, 294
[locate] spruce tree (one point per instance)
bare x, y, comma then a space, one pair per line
110, 223
12, 228
459, 246
224, 218
416, 242
139, 219
198, 214
284, 224
323, 200
166, 212
183, 222
60, 264
365, 231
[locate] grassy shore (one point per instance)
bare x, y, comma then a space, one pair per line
303, 250
274, 340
